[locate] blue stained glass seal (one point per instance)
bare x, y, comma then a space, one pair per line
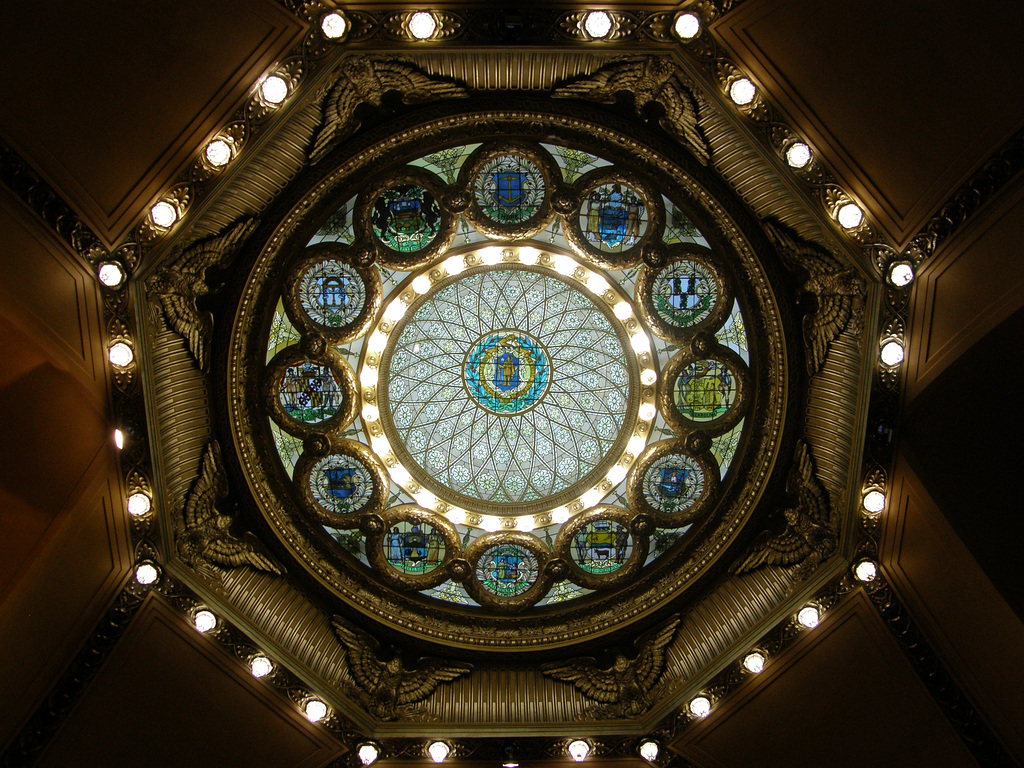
507, 372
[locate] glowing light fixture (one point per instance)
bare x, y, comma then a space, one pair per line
564, 265
865, 571
849, 215
901, 273
368, 752
511, 759
892, 353
120, 354
753, 662
647, 412
490, 523
110, 274
422, 284
742, 91
316, 711
333, 25
163, 215
138, 504
597, 284
616, 474
700, 706
218, 153
204, 620
422, 25
590, 498
809, 616
649, 750
559, 515
598, 24
457, 516
648, 376
622, 310
687, 27
274, 89
118, 439
873, 502
260, 666
578, 750
370, 413
146, 574
438, 751
524, 524
798, 155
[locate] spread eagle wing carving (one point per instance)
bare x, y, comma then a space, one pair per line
178, 288
839, 292
648, 79
363, 80
808, 537
387, 686
624, 688
207, 538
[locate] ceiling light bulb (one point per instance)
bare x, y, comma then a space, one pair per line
809, 616
590, 498
138, 504
421, 284
370, 413
422, 25
865, 571
316, 711
598, 24
261, 666
597, 284
649, 750
559, 515
438, 751
218, 153
687, 26
120, 354
616, 474
163, 215
524, 524
367, 753
274, 89
901, 273
457, 516
753, 662
873, 502
892, 353
798, 155
110, 274
849, 215
454, 265
622, 310
204, 620
640, 343
647, 412
118, 439
564, 265
700, 706
146, 573
742, 91
333, 25
578, 750
648, 376
490, 523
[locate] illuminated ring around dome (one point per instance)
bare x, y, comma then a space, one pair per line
673, 292
311, 394
386, 352
501, 179
508, 571
601, 547
621, 215
405, 218
683, 485
414, 548
704, 393
340, 487
327, 280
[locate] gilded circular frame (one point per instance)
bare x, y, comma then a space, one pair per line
637, 500
718, 425
343, 375
619, 516
312, 455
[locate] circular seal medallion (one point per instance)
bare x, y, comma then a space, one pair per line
507, 371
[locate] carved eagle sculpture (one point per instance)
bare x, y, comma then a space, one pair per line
207, 539
364, 80
808, 537
179, 287
388, 687
623, 689
649, 79
838, 292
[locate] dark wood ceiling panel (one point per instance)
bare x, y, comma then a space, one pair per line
110, 118
844, 695
967, 621
167, 696
969, 287
904, 99
69, 581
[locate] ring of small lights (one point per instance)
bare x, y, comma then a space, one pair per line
387, 256
319, 354
316, 450
635, 483
605, 259
376, 539
313, 256
383, 154
644, 294
478, 161
638, 531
